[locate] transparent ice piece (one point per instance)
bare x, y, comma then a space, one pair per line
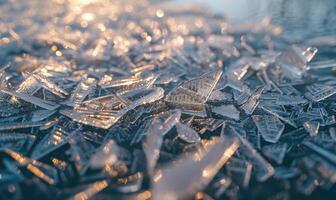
323, 64
40, 115
187, 134
193, 94
50, 86
128, 82
240, 171
129, 184
50, 143
29, 86
40, 170
91, 190
237, 73
18, 125
319, 92
251, 104
229, 111
158, 128
103, 112
332, 132
17, 142
278, 111
242, 97
221, 185
290, 100
107, 154
141, 132
201, 166
83, 89
295, 59
80, 152
34, 100
270, 127
321, 151
210, 125
261, 169
275, 152
286, 173
312, 127
306, 184
218, 96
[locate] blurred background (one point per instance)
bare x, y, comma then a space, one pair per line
297, 17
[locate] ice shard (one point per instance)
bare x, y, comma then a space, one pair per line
192, 95
295, 59
229, 111
103, 112
187, 133
269, 127
261, 169
312, 127
82, 90
158, 128
275, 152
200, 167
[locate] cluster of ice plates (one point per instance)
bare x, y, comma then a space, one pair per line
144, 100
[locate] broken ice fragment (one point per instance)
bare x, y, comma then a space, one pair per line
17, 142
241, 97
277, 111
219, 96
103, 112
261, 169
236, 73
321, 151
295, 60
83, 89
323, 64
80, 152
107, 154
312, 127
158, 128
128, 82
290, 100
187, 134
29, 86
229, 111
269, 126
250, 105
319, 92
18, 125
200, 167
42, 171
141, 132
49, 105
323, 41
306, 184
210, 125
52, 141
40, 115
221, 185
193, 94
240, 171
332, 132
91, 190
275, 152
286, 173
50, 86
129, 184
